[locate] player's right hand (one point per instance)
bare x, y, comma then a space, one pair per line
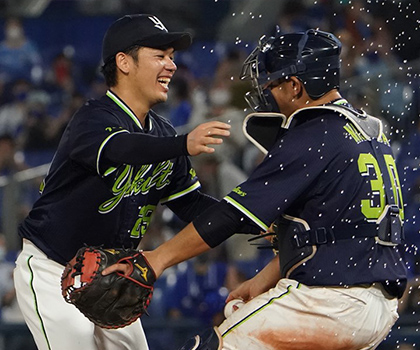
245, 291
206, 134
125, 269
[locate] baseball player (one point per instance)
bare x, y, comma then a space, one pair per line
116, 162
329, 184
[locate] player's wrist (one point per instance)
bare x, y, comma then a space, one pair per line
185, 145
155, 262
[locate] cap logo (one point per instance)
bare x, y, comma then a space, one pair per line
158, 23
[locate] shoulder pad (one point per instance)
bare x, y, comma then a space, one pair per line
262, 129
370, 127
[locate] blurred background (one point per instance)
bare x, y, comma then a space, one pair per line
49, 65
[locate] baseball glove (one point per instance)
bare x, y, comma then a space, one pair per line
112, 301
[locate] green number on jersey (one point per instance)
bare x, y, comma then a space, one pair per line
368, 166
145, 215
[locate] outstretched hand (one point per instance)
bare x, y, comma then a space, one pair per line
204, 135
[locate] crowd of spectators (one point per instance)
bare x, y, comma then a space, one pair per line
37, 99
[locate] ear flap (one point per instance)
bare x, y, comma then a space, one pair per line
262, 129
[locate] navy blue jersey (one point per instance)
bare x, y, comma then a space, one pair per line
88, 200
322, 172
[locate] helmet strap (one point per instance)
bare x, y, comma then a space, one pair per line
271, 101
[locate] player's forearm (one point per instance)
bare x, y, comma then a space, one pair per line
191, 205
185, 245
129, 148
260, 283
269, 276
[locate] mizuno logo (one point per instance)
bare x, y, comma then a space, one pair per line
144, 271
158, 23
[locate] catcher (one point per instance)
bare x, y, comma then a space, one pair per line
330, 185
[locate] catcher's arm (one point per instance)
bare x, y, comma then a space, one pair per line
260, 283
183, 246
190, 242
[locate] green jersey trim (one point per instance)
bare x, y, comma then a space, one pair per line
122, 105
182, 193
110, 170
244, 210
127, 110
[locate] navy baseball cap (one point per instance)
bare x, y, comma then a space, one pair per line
144, 30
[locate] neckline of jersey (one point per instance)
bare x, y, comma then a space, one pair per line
120, 103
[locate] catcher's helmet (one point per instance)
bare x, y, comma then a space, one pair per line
311, 56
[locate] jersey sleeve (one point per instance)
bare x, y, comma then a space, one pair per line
183, 181
294, 162
90, 131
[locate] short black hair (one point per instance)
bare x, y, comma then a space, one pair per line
109, 69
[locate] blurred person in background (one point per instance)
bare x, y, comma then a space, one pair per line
218, 175
37, 139
19, 56
66, 111
180, 106
96, 87
13, 113
197, 288
225, 102
42, 131
10, 164
63, 79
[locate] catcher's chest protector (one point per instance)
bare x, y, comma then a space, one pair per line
297, 241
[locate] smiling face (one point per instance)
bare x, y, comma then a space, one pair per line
153, 73
149, 75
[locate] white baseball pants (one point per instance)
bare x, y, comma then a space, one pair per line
55, 324
293, 316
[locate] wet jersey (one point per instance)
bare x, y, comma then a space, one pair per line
322, 172
87, 200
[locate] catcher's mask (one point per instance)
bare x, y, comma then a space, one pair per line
311, 56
